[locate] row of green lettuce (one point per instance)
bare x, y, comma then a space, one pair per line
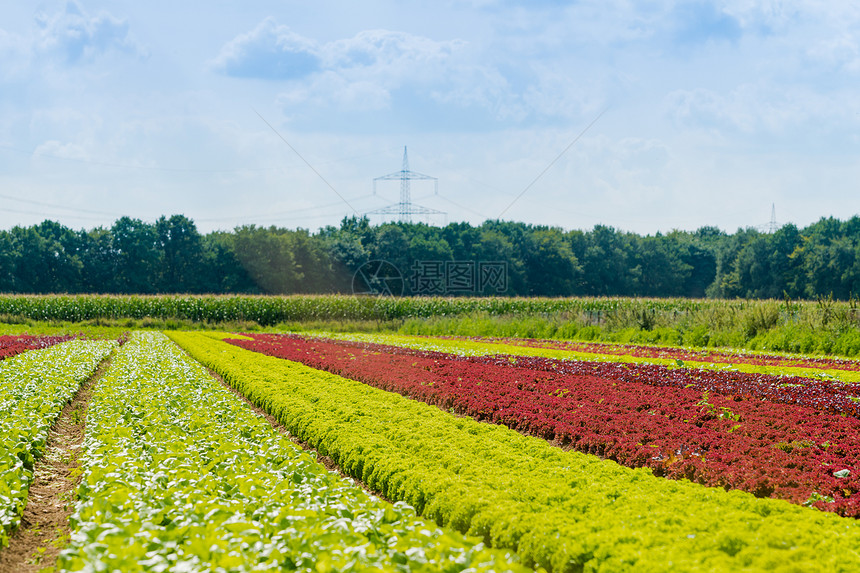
179, 474
564, 511
34, 387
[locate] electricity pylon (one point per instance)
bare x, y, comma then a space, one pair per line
773, 226
406, 208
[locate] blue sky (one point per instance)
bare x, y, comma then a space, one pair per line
712, 111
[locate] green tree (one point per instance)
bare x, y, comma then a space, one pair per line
223, 272
727, 280
268, 258
662, 268
605, 258
182, 264
313, 262
392, 245
9, 256
138, 256
551, 266
99, 260
45, 265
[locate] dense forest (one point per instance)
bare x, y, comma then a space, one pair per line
172, 256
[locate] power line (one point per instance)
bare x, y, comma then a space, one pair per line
523, 192
362, 156
49, 216
306, 162
130, 166
55, 206
462, 206
306, 217
277, 213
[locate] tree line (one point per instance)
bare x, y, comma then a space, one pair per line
172, 256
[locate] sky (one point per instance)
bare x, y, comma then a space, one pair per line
643, 115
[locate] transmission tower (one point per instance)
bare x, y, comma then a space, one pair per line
773, 226
406, 208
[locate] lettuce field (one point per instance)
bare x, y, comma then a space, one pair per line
228, 451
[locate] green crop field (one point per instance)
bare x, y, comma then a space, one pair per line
822, 327
340, 433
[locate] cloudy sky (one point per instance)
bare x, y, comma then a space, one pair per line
707, 113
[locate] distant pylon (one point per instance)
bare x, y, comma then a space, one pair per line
405, 209
773, 226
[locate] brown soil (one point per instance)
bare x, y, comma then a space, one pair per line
44, 528
326, 461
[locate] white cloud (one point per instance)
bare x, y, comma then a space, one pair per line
376, 70
360, 73
269, 51
481, 87
9, 44
67, 120
273, 51
768, 16
334, 89
812, 33
374, 63
841, 52
561, 92
14, 55
67, 36
57, 149
77, 36
702, 23
762, 108
397, 54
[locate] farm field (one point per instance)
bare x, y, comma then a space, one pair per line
443, 453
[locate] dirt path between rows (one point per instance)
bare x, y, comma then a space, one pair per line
44, 528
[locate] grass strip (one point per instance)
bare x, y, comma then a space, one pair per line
561, 510
181, 475
34, 387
